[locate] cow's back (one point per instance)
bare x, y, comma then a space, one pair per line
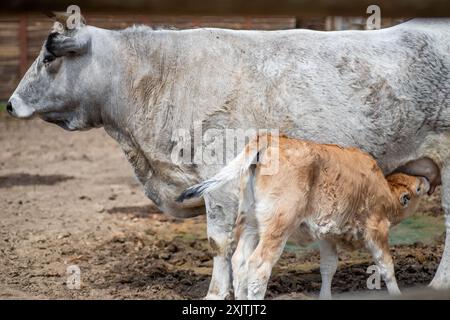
355, 88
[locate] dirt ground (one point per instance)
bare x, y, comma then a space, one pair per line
72, 199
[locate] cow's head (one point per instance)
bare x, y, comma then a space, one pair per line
62, 84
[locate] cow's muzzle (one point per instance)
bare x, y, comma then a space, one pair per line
17, 108
9, 108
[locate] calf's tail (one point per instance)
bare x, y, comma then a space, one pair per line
237, 167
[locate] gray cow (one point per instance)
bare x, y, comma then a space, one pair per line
385, 91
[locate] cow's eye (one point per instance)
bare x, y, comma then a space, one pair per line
47, 59
418, 189
51, 63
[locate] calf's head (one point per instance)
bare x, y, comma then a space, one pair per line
64, 83
407, 189
424, 167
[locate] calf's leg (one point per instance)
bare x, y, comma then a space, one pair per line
274, 230
378, 245
261, 263
328, 266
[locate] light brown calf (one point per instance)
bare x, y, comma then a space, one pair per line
336, 195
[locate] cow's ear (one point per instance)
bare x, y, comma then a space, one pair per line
404, 199
60, 45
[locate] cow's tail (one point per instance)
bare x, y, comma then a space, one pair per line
237, 167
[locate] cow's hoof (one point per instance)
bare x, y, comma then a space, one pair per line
214, 296
438, 284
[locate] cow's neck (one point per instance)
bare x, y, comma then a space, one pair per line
144, 121
138, 114
162, 179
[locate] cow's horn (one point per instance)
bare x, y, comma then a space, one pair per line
61, 17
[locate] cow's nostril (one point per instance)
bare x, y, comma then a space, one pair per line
9, 107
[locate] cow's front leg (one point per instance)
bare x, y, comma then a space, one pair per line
441, 279
247, 243
221, 211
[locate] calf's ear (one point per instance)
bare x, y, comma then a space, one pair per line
404, 199
60, 45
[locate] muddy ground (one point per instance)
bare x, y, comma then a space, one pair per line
72, 199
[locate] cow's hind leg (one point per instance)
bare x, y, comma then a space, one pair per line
328, 266
221, 211
441, 279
